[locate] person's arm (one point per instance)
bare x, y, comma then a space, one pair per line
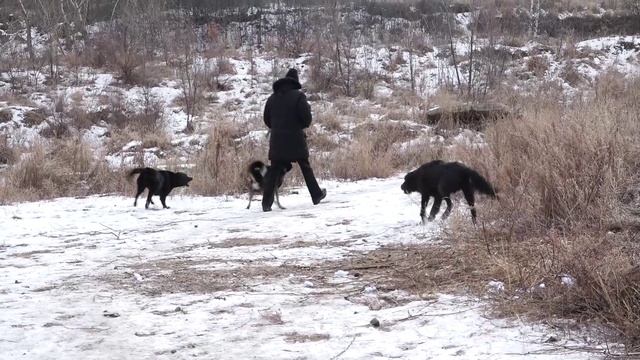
304, 111
267, 113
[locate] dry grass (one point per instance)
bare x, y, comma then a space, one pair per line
538, 65
372, 152
6, 115
570, 74
62, 168
34, 117
568, 179
296, 337
8, 153
220, 166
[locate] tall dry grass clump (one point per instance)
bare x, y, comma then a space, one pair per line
64, 167
220, 167
568, 218
373, 152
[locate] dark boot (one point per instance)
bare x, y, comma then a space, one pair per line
317, 200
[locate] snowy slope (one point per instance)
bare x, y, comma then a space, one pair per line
95, 278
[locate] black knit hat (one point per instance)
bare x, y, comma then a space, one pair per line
293, 73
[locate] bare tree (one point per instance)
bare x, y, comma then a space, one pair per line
449, 15
50, 19
343, 56
27, 21
410, 44
535, 17
472, 28
188, 72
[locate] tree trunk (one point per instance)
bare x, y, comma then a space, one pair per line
469, 85
27, 22
453, 52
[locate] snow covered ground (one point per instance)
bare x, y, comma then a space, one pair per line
96, 278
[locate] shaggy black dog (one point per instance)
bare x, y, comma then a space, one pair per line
257, 172
440, 179
159, 182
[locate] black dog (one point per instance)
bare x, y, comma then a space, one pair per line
159, 182
440, 180
257, 173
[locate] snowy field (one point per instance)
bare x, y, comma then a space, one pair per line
96, 278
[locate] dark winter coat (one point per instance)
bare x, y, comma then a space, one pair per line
287, 113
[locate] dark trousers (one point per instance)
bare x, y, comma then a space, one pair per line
275, 176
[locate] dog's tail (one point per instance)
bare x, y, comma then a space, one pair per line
133, 172
481, 184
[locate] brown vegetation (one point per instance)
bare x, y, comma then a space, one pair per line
563, 172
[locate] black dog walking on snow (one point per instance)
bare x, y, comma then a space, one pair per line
159, 182
287, 113
257, 173
440, 180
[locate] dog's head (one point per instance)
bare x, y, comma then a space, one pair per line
257, 170
182, 179
410, 183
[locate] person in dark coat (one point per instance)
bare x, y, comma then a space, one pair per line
287, 113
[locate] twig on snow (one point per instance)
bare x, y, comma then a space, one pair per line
347, 348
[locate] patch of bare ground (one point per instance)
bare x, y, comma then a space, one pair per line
172, 275
244, 241
418, 271
296, 337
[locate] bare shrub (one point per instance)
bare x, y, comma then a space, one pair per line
570, 74
538, 65
6, 115
563, 172
8, 153
365, 81
360, 161
34, 117
329, 120
323, 77
64, 168
32, 171
371, 154
128, 63
224, 66
59, 104
159, 139
56, 128
81, 119
150, 119
115, 112
321, 140
220, 165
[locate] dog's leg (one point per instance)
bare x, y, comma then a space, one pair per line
449, 206
250, 198
423, 205
278, 200
149, 195
468, 195
138, 192
162, 200
435, 208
